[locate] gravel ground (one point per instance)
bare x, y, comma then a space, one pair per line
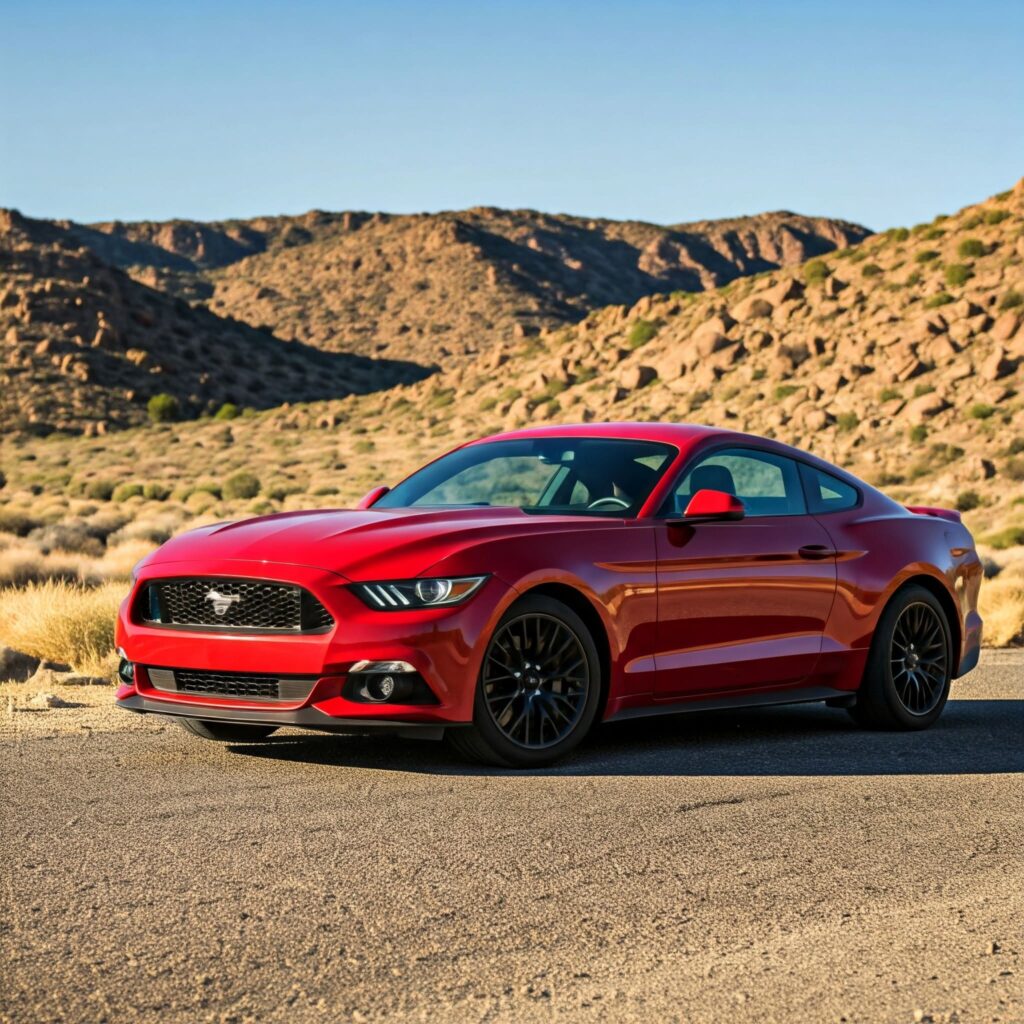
771, 865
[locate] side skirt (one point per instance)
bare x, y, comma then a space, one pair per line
803, 695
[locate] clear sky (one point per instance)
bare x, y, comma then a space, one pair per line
884, 113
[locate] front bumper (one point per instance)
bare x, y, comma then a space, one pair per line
444, 645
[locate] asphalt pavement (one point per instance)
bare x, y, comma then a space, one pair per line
762, 865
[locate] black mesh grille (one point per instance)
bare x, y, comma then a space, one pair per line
247, 605
227, 684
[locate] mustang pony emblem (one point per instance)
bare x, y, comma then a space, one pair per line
221, 602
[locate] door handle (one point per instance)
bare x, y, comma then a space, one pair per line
815, 552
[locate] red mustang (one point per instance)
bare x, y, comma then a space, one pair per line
519, 588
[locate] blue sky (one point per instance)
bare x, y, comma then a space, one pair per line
884, 113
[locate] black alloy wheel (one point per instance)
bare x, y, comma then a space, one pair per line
535, 680
919, 658
538, 690
910, 665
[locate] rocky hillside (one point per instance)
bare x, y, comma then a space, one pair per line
442, 288
85, 346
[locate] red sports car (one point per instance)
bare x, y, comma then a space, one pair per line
520, 588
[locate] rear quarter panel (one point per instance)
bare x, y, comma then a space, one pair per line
879, 550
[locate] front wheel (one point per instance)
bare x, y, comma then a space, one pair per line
910, 665
538, 690
226, 732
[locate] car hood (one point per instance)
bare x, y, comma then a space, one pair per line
360, 545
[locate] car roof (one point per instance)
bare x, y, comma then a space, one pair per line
680, 434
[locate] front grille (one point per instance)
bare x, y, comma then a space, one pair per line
237, 685
252, 606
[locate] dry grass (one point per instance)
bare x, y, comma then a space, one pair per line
63, 622
1002, 600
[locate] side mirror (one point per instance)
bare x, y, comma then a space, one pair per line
708, 506
370, 497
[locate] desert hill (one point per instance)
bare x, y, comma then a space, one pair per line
85, 346
444, 287
901, 358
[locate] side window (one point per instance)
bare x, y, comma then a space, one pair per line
826, 493
767, 484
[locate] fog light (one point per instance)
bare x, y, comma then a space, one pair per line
126, 672
380, 687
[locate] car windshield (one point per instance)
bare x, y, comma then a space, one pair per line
555, 475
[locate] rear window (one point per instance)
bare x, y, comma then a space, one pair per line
827, 493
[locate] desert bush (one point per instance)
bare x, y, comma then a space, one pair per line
971, 248
889, 394
942, 299
62, 622
996, 216
1015, 469
816, 271
1011, 300
18, 523
163, 408
981, 411
125, 491
847, 421
926, 256
784, 391
99, 490
22, 563
1008, 537
918, 433
640, 333
241, 485
1001, 602
154, 491
958, 274
73, 536
871, 270
966, 501
923, 389
363, 447
228, 411
898, 234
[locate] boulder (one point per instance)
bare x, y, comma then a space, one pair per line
786, 290
635, 377
750, 308
997, 365
924, 407
1006, 325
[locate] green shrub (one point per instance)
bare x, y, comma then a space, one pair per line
510, 394
981, 411
932, 233
1016, 446
584, 374
889, 394
207, 487
640, 333
898, 234
913, 279
228, 411
1015, 469
363, 447
966, 501
125, 491
958, 274
784, 391
816, 271
17, 523
759, 373
918, 433
1011, 300
971, 248
926, 256
847, 421
163, 408
923, 389
942, 299
99, 490
996, 216
154, 491
241, 485
871, 270
1008, 538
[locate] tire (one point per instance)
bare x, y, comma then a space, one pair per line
910, 665
226, 732
560, 701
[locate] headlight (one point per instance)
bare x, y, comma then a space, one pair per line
397, 595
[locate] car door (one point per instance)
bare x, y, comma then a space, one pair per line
741, 604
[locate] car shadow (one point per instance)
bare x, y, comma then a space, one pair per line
972, 737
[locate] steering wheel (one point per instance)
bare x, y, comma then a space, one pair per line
608, 503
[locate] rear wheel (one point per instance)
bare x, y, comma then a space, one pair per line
226, 732
538, 690
910, 665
